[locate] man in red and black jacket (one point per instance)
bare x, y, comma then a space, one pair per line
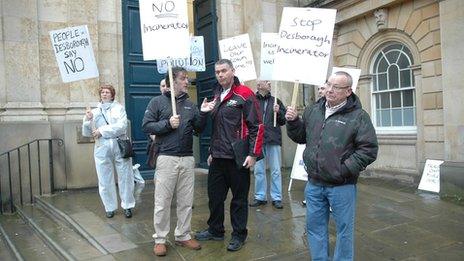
236, 116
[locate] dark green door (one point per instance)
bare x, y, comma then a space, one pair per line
206, 25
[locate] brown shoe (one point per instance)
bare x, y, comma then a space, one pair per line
190, 244
159, 249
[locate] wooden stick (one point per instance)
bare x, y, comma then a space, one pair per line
171, 87
275, 102
295, 93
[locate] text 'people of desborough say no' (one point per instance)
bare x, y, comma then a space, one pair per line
161, 10
63, 42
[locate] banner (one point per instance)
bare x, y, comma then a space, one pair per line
430, 180
268, 48
238, 50
164, 28
74, 53
304, 45
194, 63
355, 73
298, 169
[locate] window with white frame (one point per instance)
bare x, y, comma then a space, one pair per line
393, 91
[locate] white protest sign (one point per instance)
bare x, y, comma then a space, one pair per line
268, 48
194, 63
238, 50
298, 169
355, 73
430, 180
165, 29
74, 53
304, 45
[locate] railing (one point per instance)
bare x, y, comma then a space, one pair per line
12, 162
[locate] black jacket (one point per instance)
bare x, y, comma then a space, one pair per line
173, 142
272, 135
236, 117
337, 148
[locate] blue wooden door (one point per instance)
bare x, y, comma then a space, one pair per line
141, 80
206, 25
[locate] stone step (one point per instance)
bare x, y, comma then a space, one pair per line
24, 243
62, 238
6, 254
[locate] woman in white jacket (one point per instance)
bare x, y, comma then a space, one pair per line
106, 123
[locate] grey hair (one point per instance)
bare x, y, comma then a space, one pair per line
225, 61
349, 79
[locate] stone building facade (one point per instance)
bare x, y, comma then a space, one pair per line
427, 124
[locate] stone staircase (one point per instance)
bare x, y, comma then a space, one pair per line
42, 232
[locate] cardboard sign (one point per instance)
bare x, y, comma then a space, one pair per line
194, 63
238, 50
304, 45
298, 169
164, 28
355, 73
430, 180
74, 53
268, 49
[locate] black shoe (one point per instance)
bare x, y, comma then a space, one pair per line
277, 204
205, 235
257, 203
128, 213
235, 244
109, 214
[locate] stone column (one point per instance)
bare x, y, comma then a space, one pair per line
452, 35
21, 54
2, 64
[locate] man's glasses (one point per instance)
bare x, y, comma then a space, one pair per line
335, 87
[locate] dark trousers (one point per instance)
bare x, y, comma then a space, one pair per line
224, 175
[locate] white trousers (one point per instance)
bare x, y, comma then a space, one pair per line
106, 153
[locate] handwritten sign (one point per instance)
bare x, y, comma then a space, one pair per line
304, 45
238, 50
355, 73
74, 53
268, 49
165, 29
430, 180
194, 63
298, 169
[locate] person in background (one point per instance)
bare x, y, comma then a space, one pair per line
106, 123
340, 142
235, 118
175, 163
271, 148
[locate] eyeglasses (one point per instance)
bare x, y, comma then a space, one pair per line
335, 87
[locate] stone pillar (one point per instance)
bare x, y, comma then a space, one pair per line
21, 54
2, 65
452, 35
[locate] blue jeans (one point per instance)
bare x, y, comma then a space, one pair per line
272, 156
342, 199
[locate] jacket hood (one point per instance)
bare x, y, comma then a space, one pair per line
352, 103
183, 96
263, 97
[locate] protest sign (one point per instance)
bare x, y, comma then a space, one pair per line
355, 73
164, 28
238, 50
194, 63
268, 48
430, 180
298, 169
74, 53
304, 45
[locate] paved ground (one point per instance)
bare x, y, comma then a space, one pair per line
393, 223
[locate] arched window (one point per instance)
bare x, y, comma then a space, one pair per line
393, 92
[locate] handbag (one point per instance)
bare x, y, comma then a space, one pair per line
125, 145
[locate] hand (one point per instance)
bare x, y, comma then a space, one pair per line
208, 106
210, 158
96, 134
276, 107
291, 114
174, 121
89, 114
249, 162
